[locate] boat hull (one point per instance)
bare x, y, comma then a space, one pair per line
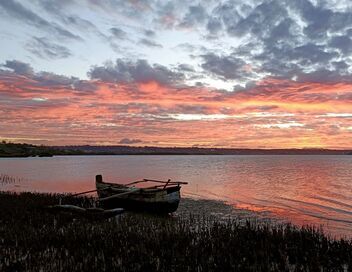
159, 201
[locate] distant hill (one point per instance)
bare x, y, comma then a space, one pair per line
131, 150
28, 150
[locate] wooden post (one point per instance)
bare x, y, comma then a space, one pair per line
98, 178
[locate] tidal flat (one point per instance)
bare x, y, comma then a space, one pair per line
34, 239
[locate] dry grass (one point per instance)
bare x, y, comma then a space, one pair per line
32, 239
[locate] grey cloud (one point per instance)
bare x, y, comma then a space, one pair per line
54, 6
118, 33
226, 67
324, 75
321, 19
262, 18
59, 10
43, 48
228, 14
18, 11
165, 12
214, 25
185, 68
135, 71
130, 141
340, 66
149, 33
286, 31
19, 67
316, 17
311, 54
149, 43
288, 62
186, 46
82, 24
195, 15
343, 43
280, 45
51, 80
316, 45
47, 79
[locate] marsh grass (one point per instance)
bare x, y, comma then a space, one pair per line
32, 239
7, 179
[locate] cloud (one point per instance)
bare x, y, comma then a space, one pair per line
43, 48
285, 62
195, 15
118, 33
128, 141
286, 39
258, 22
135, 71
271, 113
184, 67
18, 67
34, 81
21, 13
150, 43
149, 33
321, 19
226, 67
214, 26
342, 42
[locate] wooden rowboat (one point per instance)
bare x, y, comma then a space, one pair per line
161, 198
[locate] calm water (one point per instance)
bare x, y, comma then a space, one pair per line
301, 189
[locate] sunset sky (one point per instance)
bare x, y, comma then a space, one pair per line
246, 74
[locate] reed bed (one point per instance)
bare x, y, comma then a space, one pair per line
33, 239
7, 179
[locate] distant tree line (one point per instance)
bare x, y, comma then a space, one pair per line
8, 149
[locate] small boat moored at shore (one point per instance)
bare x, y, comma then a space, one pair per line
162, 198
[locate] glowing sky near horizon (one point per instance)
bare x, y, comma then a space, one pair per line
247, 74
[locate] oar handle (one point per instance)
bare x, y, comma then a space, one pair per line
91, 191
169, 181
86, 192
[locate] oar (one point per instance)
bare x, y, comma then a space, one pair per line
161, 181
86, 192
91, 191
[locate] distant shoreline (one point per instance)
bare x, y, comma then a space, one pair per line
162, 154
10, 150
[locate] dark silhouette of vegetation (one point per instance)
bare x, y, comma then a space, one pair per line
7, 179
28, 150
152, 150
32, 239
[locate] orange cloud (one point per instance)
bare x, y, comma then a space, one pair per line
273, 114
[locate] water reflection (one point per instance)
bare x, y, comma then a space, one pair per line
301, 189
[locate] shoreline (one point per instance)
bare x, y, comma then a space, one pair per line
27, 150
164, 154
